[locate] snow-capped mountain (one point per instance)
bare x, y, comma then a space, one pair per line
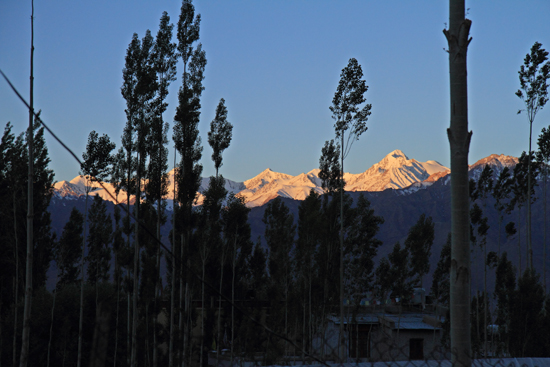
395, 171
497, 163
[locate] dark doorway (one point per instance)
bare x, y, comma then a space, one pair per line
416, 349
359, 341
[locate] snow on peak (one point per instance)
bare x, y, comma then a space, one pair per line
397, 154
496, 161
394, 171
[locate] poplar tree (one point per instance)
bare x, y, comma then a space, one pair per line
533, 79
219, 136
349, 113
164, 58
96, 163
188, 145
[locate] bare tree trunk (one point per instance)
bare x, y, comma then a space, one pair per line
459, 139
173, 288
182, 358
30, 216
136, 265
485, 296
16, 283
187, 326
234, 261
79, 357
544, 246
218, 344
157, 281
341, 334
117, 310
310, 320
529, 185
147, 346
51, 323
519, 241
128, 345
202, 313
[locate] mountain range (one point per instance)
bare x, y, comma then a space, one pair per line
394, 171
399, 189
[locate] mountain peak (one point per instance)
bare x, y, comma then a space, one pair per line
397, 154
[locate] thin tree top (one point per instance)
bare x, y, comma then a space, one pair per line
533, 80
220, 134
97, 159
346, 105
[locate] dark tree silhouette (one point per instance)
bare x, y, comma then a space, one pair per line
533, 80
219, 136
350, 115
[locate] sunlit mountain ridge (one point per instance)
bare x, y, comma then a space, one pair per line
395, 171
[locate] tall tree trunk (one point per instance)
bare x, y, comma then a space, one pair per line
529, 185
519, 241
51, 324
182, 358
128, 333
157, 281
173, 288
136, 265
117, 309
30, 217
187, 311
16, 283
218, 344
172, 305
147, 346
79, 357
202, 312
233, 299
544, 246
459, 139
341, 334
485, 297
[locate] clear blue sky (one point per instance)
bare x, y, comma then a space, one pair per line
277, 64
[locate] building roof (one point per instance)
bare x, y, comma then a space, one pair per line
406, 321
